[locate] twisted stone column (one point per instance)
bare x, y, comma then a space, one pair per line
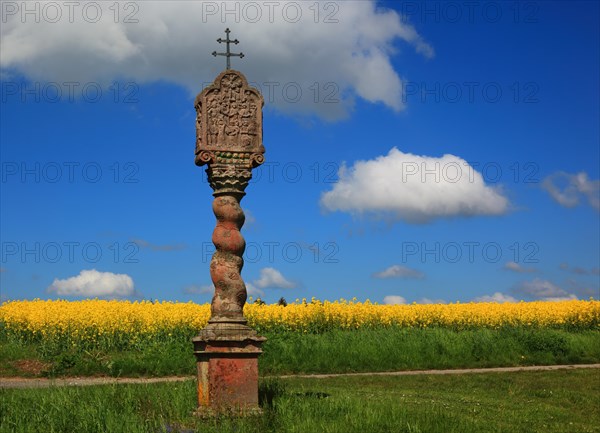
229, 176
227, 262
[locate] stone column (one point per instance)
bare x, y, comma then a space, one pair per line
229, 141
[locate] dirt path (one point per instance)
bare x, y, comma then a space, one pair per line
20, 382
17, 382
455, 371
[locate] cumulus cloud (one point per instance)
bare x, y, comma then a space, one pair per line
209, 289
272, 278
250, 219
416, 189
543, 290
431, 301
199, 290
252, 290
497, 297
583, 290
398, 271
579, 270
568, 189
295, 52
394, 300
154, 247
91, 283
515, 267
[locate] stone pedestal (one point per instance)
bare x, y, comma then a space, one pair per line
227, 364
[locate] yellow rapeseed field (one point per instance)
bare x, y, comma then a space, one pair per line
123, 323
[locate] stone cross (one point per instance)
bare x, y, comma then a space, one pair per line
228, 54
229, 143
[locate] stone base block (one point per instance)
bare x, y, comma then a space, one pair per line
227, 368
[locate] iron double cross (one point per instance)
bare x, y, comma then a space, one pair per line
228, 54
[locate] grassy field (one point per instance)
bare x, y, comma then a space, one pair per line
45, 338
431, 348
122, 338
525, 402
335, 351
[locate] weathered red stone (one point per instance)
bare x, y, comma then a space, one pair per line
227, 374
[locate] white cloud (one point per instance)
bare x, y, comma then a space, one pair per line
568, 189
583, 290
515, 267
252, 290
348, 56
394, 300
194, 289
568, 297
272, 278
199, 290
579, 270
543, 290
250, 219
413, 188
91, 283
496, 297
431, 301
398, 271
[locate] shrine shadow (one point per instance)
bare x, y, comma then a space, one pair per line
271, 389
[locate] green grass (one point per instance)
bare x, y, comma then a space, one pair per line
407, 349
525, 402
334, 351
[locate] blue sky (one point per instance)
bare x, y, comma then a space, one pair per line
415, 151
